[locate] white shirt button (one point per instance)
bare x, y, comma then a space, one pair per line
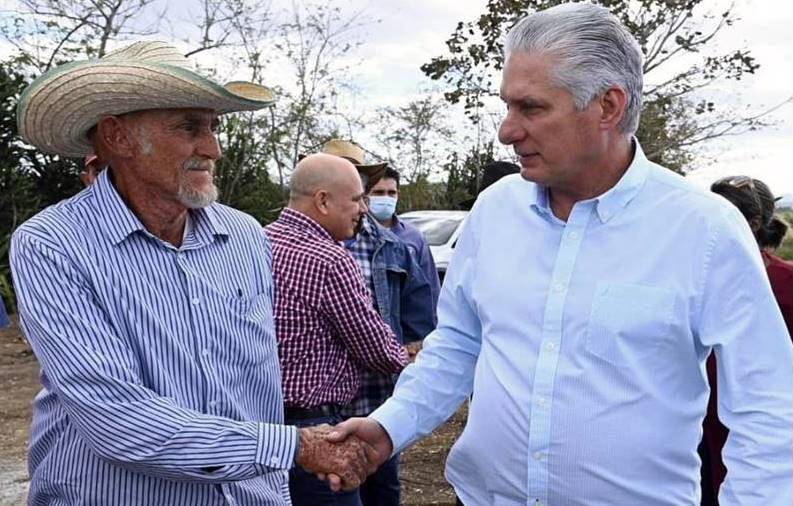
550, 346
274, 461
212, 404
205, 352
558, 287
196, 301
537, 456
541, 402
573, 235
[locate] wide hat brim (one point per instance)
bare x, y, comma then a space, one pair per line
373, 173
58, 109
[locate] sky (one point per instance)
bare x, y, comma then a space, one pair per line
410, 32
413, 31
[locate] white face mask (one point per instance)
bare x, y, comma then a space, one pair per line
382, 208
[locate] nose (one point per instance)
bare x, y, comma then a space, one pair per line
509, 132
208, 146
363, 205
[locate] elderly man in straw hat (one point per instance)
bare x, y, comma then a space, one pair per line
159, 368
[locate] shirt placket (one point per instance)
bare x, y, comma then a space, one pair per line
198, 308
548, 355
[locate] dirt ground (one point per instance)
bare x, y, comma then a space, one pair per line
421, 472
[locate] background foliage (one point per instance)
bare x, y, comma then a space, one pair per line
439, 139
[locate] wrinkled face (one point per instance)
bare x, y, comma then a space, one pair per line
176, 153
556, 143
346, 205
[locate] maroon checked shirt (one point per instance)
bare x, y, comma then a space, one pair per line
326, 325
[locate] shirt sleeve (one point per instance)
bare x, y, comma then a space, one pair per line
417, 302
98, 381
347, 305
427, 265
430, 390
741, 321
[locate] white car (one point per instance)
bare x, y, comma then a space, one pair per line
441, 229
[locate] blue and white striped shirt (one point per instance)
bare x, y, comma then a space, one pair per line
159, 364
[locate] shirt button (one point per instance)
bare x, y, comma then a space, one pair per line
573, 235
537, 456
550, 346
212, 404
558, 287
541, 402
196, 301
274, 461
205, 352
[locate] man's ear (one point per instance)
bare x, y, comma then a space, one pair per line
321, 198
115, 137
613, 104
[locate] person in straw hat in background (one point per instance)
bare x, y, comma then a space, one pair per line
148, 305
404, 297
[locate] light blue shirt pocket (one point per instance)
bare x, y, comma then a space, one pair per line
629, 323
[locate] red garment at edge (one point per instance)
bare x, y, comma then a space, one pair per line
780, 274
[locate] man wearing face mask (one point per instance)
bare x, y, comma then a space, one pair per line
403, 297
383, 198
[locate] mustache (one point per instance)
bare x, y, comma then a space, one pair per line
199, 164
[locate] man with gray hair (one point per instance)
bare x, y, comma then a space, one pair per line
585, 318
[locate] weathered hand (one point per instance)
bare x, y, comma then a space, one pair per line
369, 431
347, 460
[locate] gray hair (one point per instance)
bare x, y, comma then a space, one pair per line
594, 51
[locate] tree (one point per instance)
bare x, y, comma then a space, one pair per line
18, 196
313, 43
48, 32
671, 33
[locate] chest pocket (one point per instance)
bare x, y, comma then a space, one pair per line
628, 323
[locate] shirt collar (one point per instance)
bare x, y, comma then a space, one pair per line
119, 222
296, 219
613, 200
617, 197
366, 226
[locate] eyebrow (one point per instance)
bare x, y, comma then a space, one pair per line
199, 119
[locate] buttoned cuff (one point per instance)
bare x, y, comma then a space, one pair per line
277, 446
398, 422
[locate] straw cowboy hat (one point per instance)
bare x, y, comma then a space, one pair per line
57, 110
355, 154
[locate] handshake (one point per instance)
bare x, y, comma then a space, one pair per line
346, 454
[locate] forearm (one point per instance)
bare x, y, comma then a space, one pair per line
430, 390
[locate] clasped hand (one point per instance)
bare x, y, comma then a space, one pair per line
346, 454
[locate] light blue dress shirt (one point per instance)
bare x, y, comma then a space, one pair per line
159, 364
585, 343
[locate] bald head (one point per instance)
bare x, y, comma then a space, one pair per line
328, 189
319, 172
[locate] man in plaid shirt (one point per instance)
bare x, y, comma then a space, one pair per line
327, 329
403, 296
